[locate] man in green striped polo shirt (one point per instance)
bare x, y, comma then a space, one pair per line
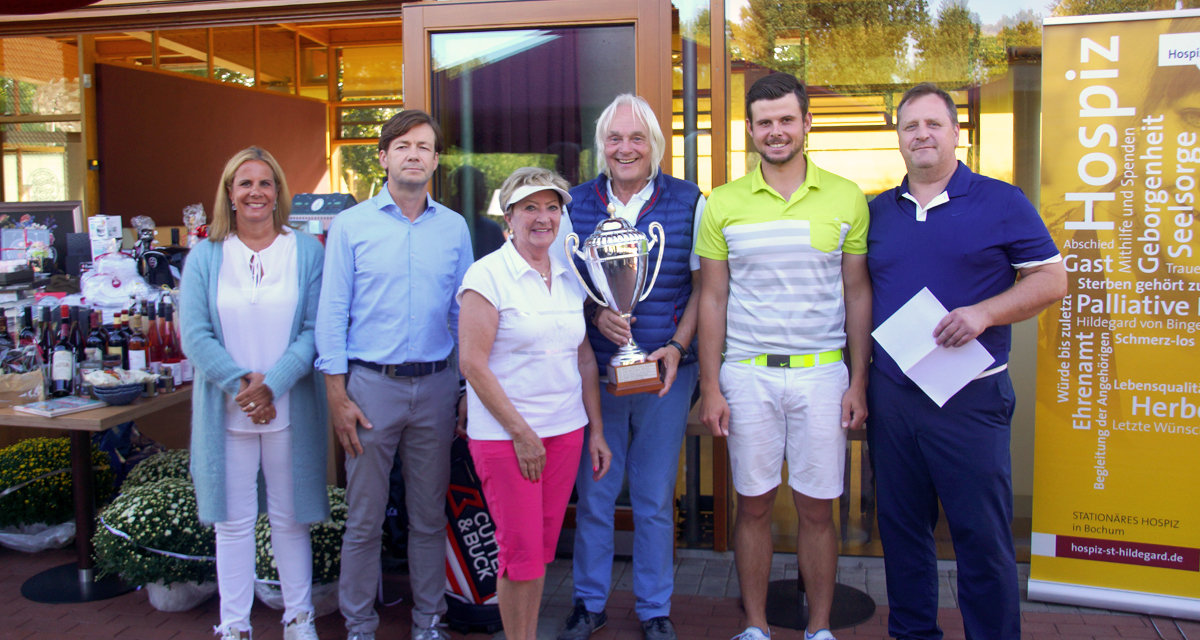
785, 294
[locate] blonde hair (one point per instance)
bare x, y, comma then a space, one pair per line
224, 219
530, 177
645, 115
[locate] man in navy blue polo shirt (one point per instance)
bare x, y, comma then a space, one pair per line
966, 237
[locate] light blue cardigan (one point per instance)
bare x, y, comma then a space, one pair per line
217, 376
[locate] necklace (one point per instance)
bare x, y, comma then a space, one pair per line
545, 276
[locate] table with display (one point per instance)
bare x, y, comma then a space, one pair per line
75, 582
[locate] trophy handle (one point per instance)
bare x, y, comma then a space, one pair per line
571, 253
662, 244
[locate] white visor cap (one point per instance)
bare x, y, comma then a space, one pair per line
524, 192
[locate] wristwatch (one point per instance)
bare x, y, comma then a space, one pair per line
682, 349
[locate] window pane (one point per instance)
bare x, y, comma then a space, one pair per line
516, 98
277, 59
372, 73
184, 51
35, 162
691, 120
357, 169
233, 55
858, 57
530, 91
364, 122
38, 76
314, 70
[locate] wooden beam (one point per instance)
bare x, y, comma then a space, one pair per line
331, 125
296, 58
123, 48
88, 126
319, 35
198, 54
199, 15
718, 57
35, 118
365, 35
257, 58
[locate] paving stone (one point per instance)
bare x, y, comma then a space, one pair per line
705, 605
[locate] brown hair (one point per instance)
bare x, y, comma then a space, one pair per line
403, 122
774, 87
928, 89
224, 218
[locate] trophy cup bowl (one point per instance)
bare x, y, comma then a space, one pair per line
617, 257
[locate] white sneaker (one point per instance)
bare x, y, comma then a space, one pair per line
233, 634
823, 634
435, 631
301, 628
752, 633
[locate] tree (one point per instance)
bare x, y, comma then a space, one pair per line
951, 50
1097, 7
851, 47
1023, 31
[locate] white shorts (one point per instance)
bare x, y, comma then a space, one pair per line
778, 413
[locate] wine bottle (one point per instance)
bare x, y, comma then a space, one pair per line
170, 352
95, 345
62, 367
154, 344
118, 344
45, 336
27, 336
6, 341
136, 346
78, 333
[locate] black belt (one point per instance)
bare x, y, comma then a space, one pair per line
406, 370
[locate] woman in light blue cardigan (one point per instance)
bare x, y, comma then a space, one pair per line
252, 272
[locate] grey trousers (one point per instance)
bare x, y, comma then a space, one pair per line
416, 415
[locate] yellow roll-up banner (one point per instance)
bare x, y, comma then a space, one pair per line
1116, 513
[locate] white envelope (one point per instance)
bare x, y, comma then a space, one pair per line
940, 372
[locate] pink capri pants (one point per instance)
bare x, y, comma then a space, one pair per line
528, 515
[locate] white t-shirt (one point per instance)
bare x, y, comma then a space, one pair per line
535, 354
257, 294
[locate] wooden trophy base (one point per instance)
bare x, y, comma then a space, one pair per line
643, 377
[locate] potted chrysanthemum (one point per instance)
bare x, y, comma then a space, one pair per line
326, 555
164, 464
151, 535
35, 492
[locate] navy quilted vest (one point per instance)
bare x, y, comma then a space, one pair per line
673, 205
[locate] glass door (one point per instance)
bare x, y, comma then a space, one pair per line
516, 84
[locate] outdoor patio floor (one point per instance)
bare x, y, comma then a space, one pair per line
698, 610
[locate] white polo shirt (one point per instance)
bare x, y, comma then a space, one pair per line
535, 354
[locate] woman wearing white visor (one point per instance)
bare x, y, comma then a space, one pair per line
532, 387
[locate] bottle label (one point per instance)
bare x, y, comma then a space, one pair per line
137, 360
93, 353
115, 351
63, 365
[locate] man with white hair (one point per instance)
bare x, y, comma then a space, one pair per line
644, 431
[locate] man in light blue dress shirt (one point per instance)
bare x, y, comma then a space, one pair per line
386, 325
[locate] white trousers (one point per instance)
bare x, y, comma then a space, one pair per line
244, 454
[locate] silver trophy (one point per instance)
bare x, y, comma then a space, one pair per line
617, 257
